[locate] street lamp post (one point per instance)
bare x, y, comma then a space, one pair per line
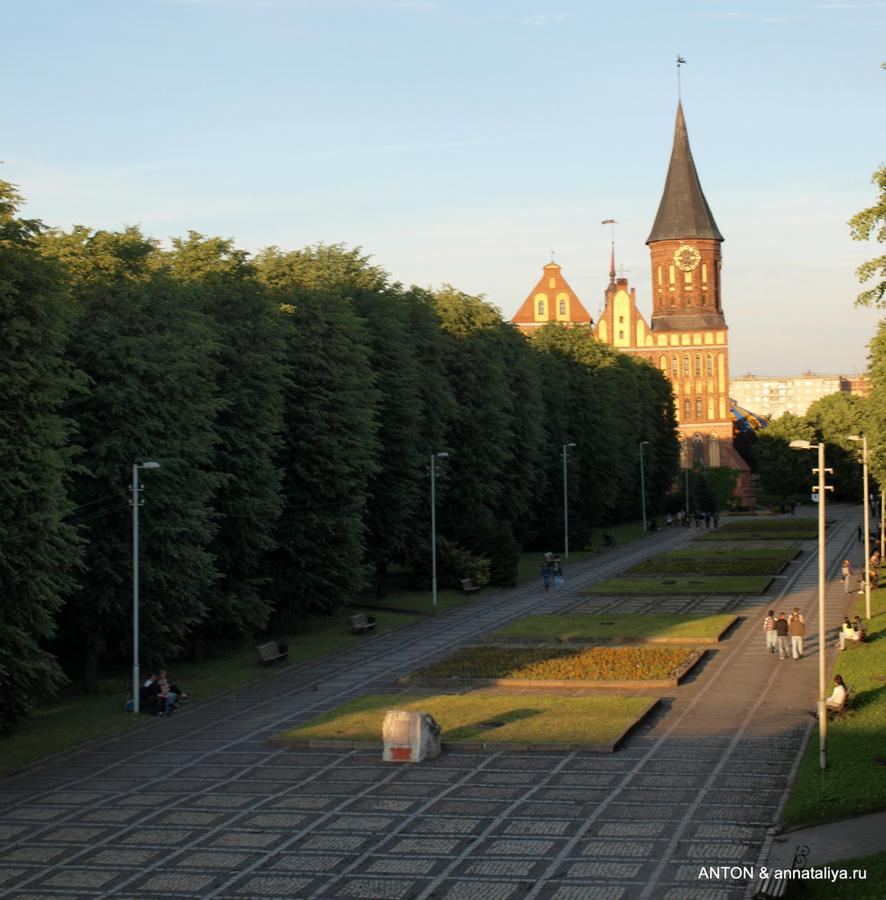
565, 504
821, 488
867, 524
434, 458
643, 483
136, 680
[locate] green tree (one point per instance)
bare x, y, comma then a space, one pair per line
834, 419
150, 357
877, 405
784, 472
250, 382
397, 493
495, 438
868, 223
329, 448
39, 551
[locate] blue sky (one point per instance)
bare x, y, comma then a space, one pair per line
462, 142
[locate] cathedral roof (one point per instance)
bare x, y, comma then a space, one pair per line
544, 304
683, 211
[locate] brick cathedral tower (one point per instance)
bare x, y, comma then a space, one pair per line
687, 335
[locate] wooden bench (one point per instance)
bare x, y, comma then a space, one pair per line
468, 586
843, 711
271, 652
771, 888
361, 624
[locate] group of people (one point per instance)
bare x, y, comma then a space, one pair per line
701, 519
785, 635
551, 571
162, 695
873, 566
851, 630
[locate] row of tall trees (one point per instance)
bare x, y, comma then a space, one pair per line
292, 400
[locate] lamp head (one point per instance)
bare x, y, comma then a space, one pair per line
800, 445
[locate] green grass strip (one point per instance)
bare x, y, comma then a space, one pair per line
528, 719
727, 584
78, 715
619, 627
854, 781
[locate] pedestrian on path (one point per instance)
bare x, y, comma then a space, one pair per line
557, 572
546, 575
769, 631
797, 629
782, 630
847, 575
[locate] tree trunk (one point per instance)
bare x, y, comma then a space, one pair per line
381, 580
198, 645
90, 669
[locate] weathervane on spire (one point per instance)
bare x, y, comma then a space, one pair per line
680, 62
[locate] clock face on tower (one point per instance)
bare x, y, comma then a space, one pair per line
687, 257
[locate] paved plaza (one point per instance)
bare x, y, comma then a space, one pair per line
200, 806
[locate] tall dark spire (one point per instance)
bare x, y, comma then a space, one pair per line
683, 212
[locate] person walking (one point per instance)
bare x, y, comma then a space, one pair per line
782, 630
557, 572
546, 575
797, 629
847, 575
769, 631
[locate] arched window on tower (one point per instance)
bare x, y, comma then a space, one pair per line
698, 408
541, 307
697, 364
685, 366
688, 408
562, 307
714, 450
674, 367
663, 364
698, 448
710, 364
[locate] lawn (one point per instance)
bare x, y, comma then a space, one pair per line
78, 715
849, 888
559, 663
617, 627
726, 584
535, 719
854, 781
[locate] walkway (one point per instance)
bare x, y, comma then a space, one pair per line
198, 806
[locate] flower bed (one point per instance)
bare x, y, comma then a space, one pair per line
657, 566
560, 663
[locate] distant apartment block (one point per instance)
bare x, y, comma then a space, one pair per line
794, 394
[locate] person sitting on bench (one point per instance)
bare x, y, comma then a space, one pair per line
849, 633
172, 689
837, 700
155, 694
